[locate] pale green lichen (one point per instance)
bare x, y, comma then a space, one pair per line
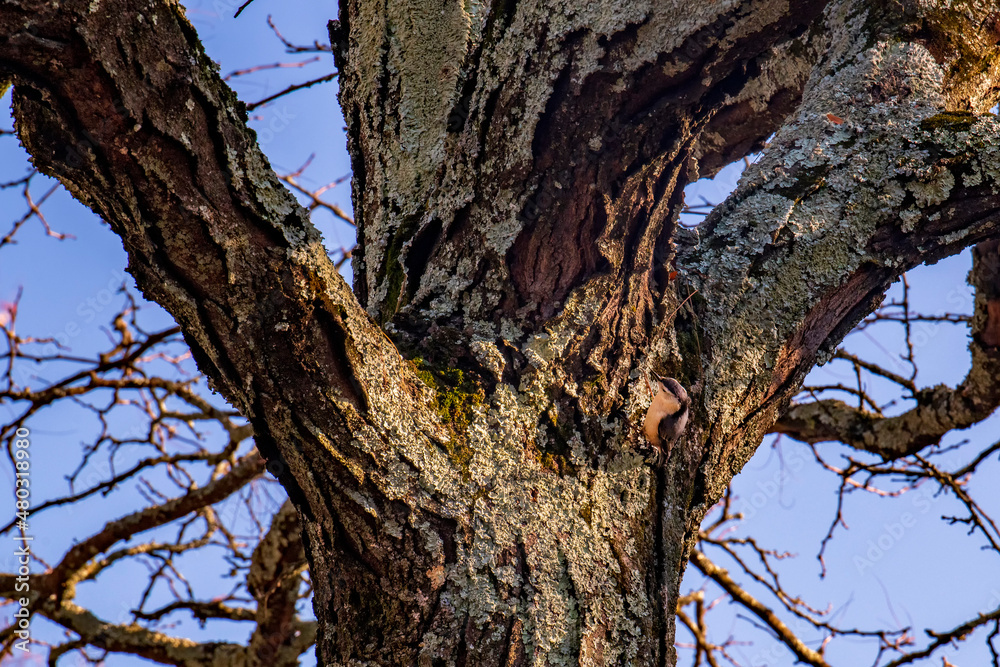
829, 186
822, 185
543, 509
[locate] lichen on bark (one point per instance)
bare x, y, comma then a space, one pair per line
518, 175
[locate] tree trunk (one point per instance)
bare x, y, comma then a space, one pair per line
461, 434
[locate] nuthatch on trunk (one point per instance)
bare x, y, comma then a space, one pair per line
667, 416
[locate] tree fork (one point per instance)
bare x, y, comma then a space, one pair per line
518, 177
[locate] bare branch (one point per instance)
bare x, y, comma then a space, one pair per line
763, 612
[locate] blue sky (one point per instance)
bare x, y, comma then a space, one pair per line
929, 574
897, 563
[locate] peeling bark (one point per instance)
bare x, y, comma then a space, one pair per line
460, 434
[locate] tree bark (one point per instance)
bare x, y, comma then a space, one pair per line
461, 434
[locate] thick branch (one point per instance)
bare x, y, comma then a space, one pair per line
518, 173
145, 133
137, 640
940, 409
841, 204
275, 579
619, 106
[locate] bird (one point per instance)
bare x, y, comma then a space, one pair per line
667, 416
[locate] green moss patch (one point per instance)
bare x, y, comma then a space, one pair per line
456, 395
951, 121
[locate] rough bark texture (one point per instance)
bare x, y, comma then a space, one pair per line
460, 435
